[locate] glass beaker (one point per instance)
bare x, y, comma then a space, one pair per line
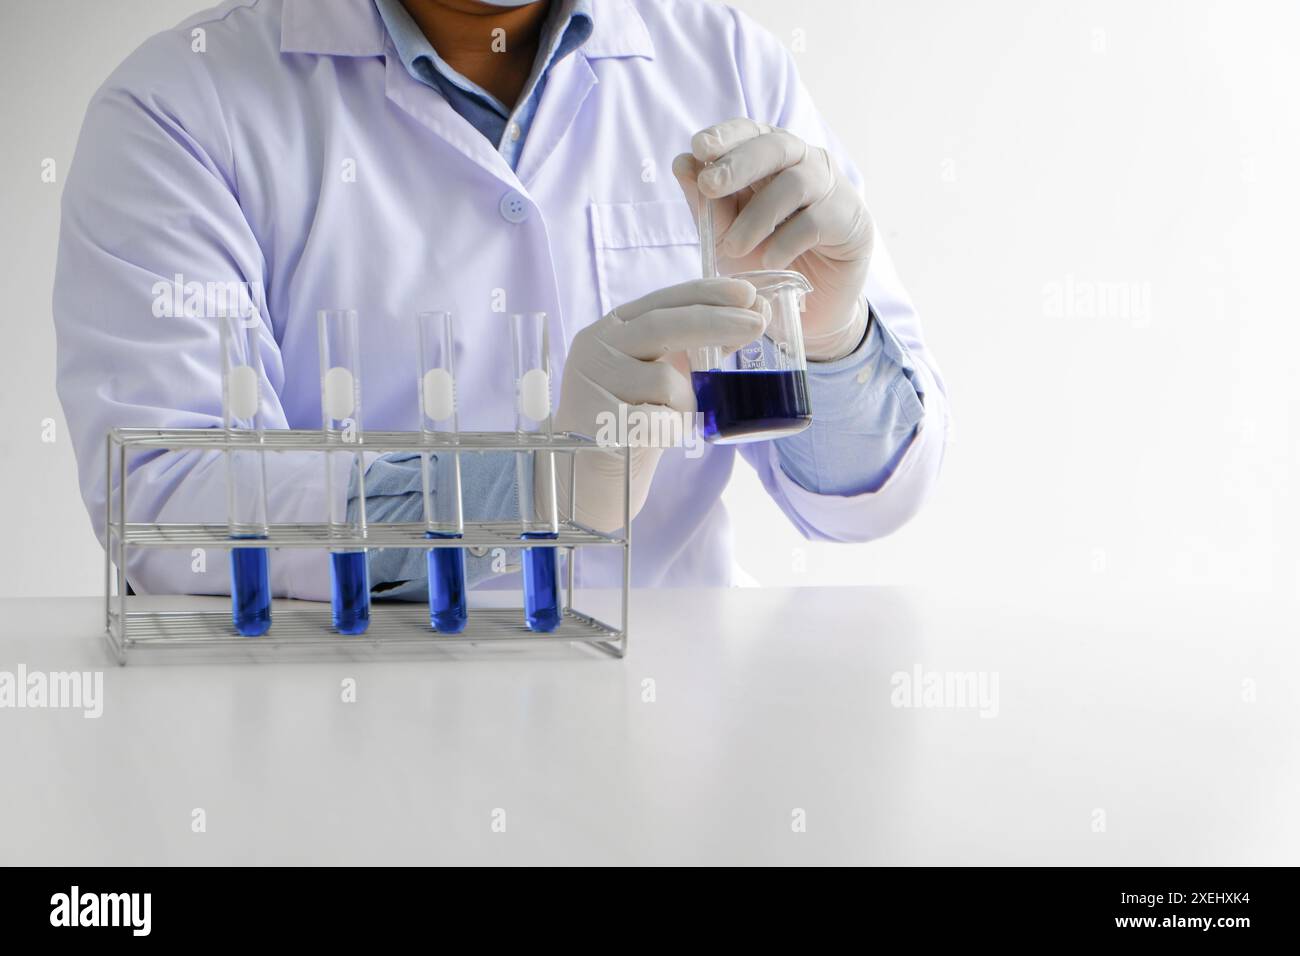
759, 391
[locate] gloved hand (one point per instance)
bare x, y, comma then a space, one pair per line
635, 357
782, 204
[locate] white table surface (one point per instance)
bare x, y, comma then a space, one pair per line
766, 701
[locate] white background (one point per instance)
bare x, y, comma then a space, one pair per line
1011, 149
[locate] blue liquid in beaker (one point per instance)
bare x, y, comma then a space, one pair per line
250, 589
350, 591
751, 405
541, 586
448, 610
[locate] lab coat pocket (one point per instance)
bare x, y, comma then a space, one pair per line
642, 246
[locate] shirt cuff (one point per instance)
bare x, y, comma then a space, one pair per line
866, 409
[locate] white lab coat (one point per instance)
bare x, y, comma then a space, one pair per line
296, 154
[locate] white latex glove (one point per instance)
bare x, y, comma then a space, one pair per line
782, 204
635, 356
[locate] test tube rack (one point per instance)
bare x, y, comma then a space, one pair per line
401, 629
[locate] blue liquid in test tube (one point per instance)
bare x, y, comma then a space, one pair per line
541, 586
448, 608
250, 590
350, 591
340, 372
440, 471
241, 376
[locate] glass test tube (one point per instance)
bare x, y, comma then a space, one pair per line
241, 375
706, 357
535, 471
705, 227
440, 472
340, 400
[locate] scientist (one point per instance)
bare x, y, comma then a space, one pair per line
399, 155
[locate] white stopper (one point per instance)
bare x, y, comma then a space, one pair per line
337, 393
241, 392
535, 394
439, 394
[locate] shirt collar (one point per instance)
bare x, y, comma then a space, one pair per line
355, 28
567, 27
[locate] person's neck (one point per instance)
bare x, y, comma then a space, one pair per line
465, 34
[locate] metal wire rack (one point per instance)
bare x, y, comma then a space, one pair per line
132, 626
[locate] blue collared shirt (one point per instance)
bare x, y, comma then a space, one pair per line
866, 407
567, 27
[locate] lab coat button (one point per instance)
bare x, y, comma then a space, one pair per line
514, 208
